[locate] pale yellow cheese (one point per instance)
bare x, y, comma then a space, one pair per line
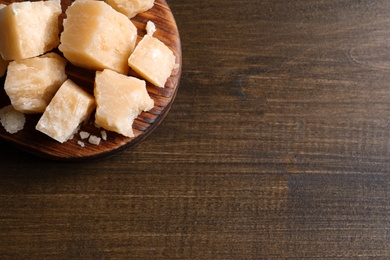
153, 60
70, 106
29, 29
97, 37
131, 8
31, 83
119, 100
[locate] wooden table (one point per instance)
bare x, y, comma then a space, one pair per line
277, 146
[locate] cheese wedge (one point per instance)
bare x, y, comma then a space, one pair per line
153, 60
29, 29
31, 83
70, 106
119, 100
97, 37
131, 8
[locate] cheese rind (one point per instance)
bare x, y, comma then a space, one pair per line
153, 60
119, 100
31, 83
131, 8
29, 29
97, 37
70, 106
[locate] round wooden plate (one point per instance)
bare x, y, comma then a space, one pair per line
39, 144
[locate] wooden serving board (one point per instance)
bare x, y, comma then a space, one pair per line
39, 144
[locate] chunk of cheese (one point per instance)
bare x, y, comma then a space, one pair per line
131, 8
153, 60
31, 83
97, 37
29, 29
70, 106
119, 100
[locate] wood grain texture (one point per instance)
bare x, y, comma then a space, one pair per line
276, 147
37, 143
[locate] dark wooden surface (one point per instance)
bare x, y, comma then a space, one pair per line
277, 146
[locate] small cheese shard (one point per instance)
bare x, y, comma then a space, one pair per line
93, 139
153, 60
119, 100
150, 28
84, 135
97, 37
13, 121
70, 106
29, 29
31, 83
131, 8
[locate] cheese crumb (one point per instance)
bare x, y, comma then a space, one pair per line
13, 121
81, 143
104, 135
84, 135
150, 28
94, 140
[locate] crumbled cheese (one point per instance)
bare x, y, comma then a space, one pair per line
104, 135
94, 140
81, 143
84, 135
150, 28
12, 120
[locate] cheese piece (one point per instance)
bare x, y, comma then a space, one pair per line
12, 120
70, 106
119, 100
153, 60
150, 28
96, 36
31, 83
131, 8
29, 29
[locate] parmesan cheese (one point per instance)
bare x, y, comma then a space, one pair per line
131, 8
119, 100
31, 83
29, 29
69, 107
97, 37
12, 120
84, 135
153, 60
93, 139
